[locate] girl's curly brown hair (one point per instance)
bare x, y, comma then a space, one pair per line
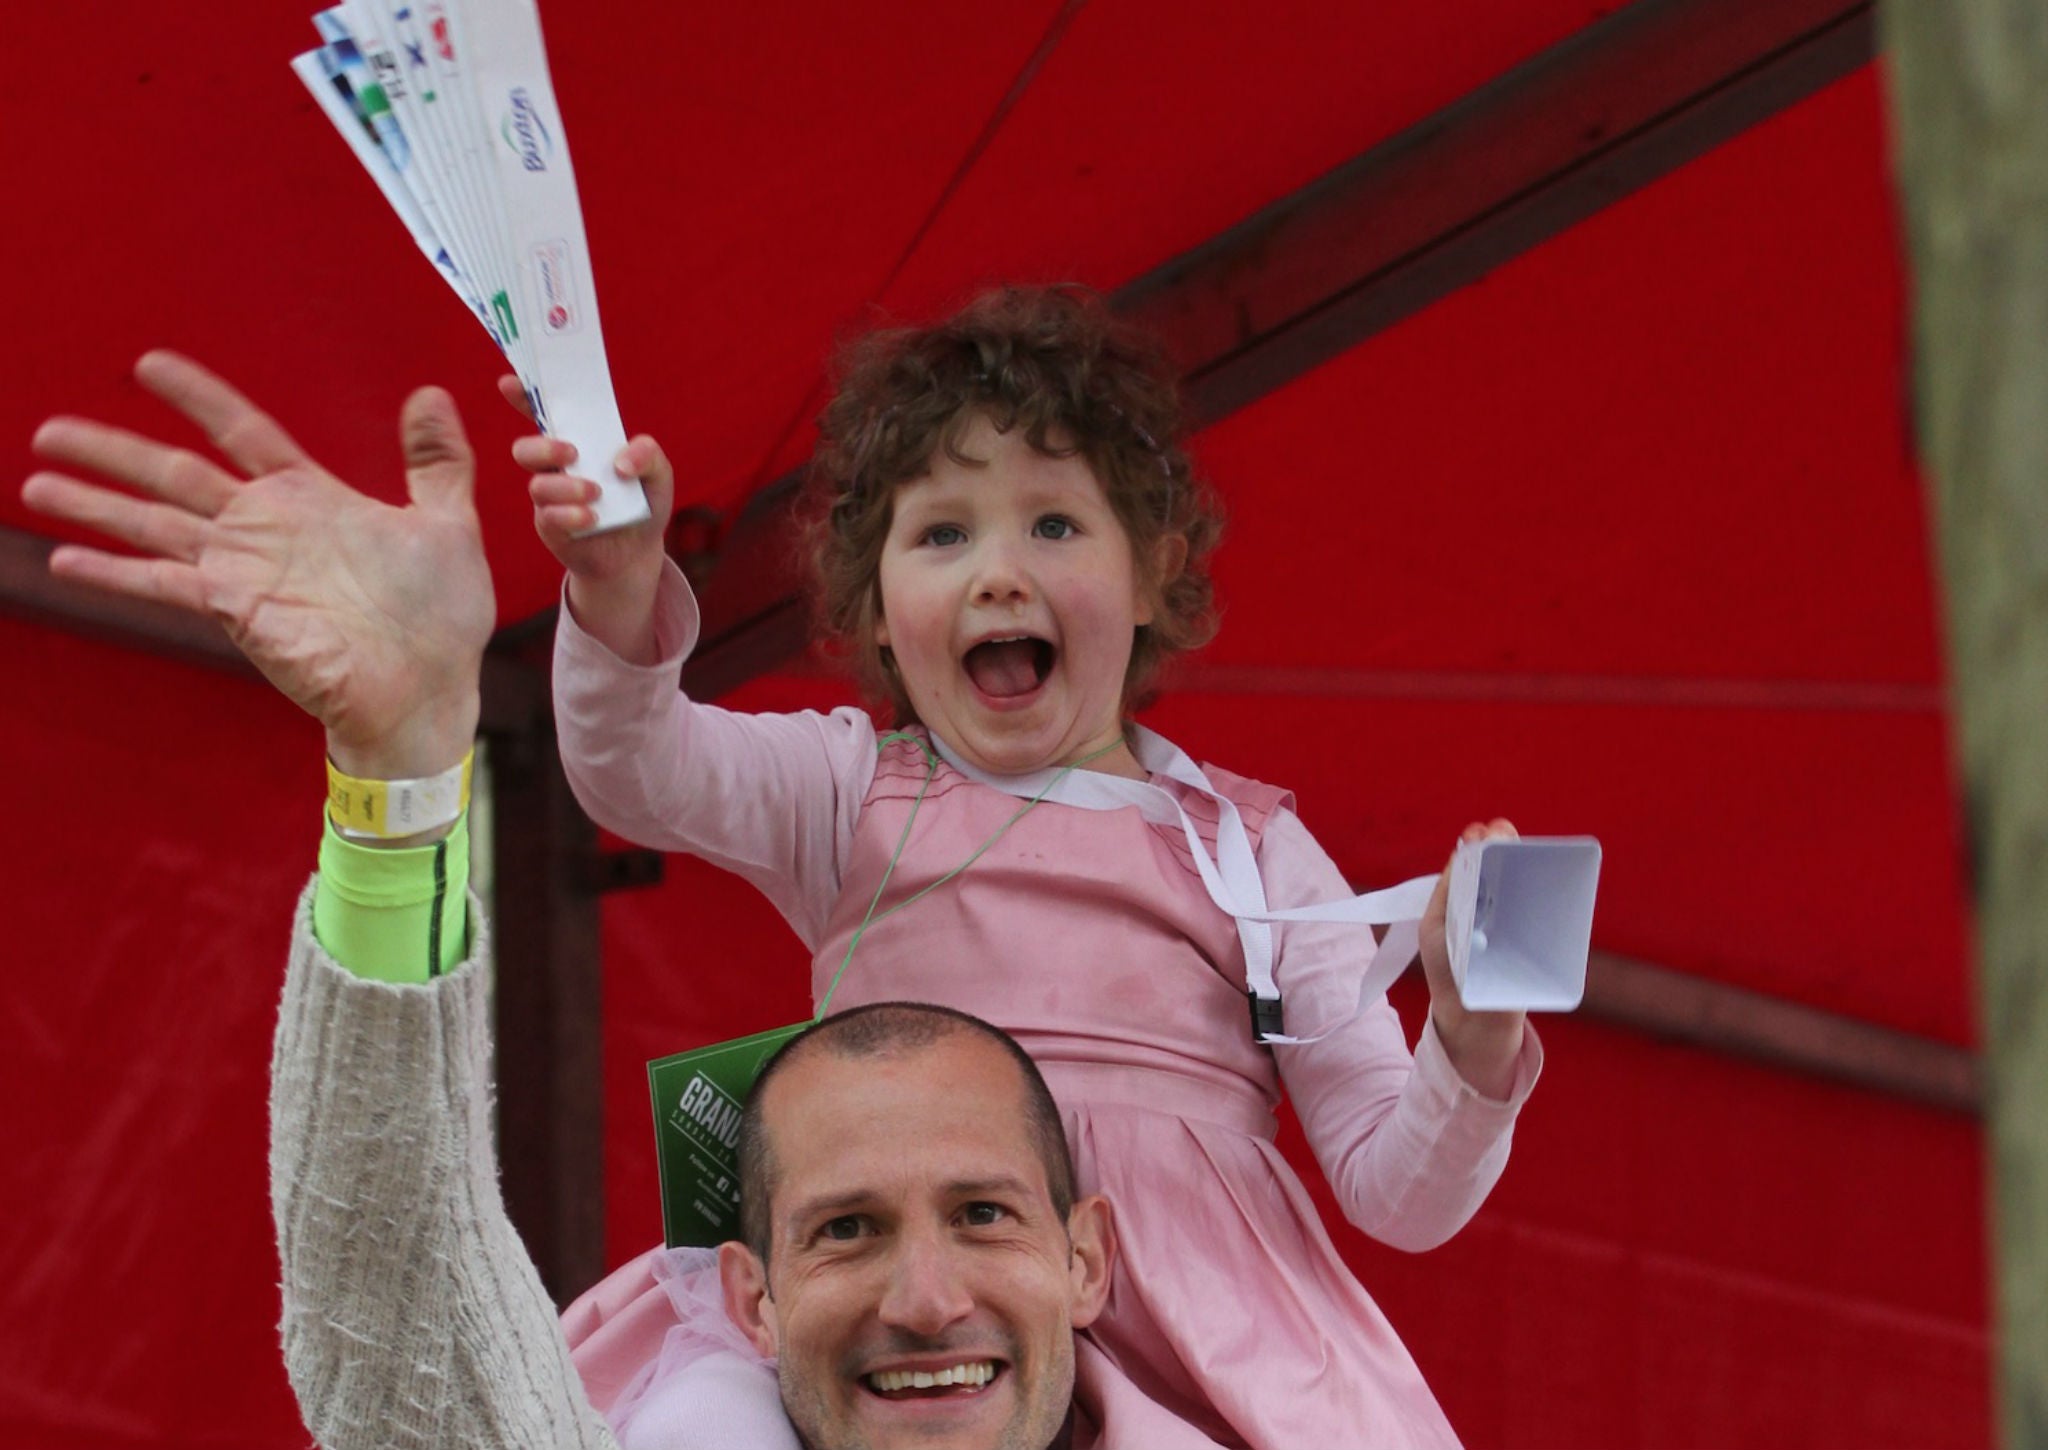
1054, 362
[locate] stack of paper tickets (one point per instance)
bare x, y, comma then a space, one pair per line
448, 105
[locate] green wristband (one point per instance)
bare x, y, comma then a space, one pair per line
394, 915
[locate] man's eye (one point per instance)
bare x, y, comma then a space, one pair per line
1052, 526
845, 1227
944, 535
983, 1215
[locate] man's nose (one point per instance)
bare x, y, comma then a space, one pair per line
926, 1292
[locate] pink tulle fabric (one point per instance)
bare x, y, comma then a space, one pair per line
706, 1385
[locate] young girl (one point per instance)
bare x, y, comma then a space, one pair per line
1009, 541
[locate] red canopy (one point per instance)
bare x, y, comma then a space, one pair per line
1623, 537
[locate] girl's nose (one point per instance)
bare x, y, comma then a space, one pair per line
1000, 575
926, 1292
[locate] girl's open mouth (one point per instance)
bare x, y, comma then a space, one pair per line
1004, 669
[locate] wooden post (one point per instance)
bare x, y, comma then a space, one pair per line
1970, 84
550, 1081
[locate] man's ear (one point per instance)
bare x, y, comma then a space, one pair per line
1169, 557
744, 1279
1091, 1235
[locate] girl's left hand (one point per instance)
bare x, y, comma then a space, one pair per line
1483, 1046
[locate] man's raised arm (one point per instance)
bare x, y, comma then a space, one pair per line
412, 1315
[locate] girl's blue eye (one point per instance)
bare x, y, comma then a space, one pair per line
1052, 526
945, 534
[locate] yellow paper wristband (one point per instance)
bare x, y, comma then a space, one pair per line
383, 810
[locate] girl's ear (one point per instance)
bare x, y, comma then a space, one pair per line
881, 619
1169, 557
744, 1279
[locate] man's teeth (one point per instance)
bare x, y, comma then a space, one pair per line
890, 1380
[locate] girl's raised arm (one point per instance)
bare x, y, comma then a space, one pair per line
612, 576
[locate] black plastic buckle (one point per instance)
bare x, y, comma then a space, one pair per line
1265, 1017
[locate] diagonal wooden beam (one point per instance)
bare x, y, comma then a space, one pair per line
27, 588
1679, 1007
515, 693
1498, 687
1625, 101
1630, 99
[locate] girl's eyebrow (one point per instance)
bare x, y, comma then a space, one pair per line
927, 495
1063, 497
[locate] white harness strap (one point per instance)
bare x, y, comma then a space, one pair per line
1231, 876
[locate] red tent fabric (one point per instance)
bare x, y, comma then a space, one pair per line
1624, 538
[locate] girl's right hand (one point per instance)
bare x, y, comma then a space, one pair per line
613, 576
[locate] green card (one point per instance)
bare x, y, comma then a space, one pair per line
697, 1100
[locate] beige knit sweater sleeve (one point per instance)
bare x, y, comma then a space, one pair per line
412, 1315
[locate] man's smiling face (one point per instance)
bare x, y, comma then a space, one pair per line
921, 1288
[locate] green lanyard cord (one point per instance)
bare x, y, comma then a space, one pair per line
931, 768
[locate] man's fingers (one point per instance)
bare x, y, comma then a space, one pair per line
175, 475
240, 429
161, 581
156, 528
514, 392
440, 469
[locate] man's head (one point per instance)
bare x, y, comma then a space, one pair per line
907, 1201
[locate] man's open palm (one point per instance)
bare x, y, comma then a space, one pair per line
372, 617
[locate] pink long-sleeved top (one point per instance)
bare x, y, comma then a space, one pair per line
1089, 937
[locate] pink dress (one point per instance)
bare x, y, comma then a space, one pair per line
1088, 936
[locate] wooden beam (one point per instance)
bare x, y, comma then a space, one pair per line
1627, 100
1481, 687
548, 1001
28, 589
754, 599
1680, 1007
1970, 95
515, 689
